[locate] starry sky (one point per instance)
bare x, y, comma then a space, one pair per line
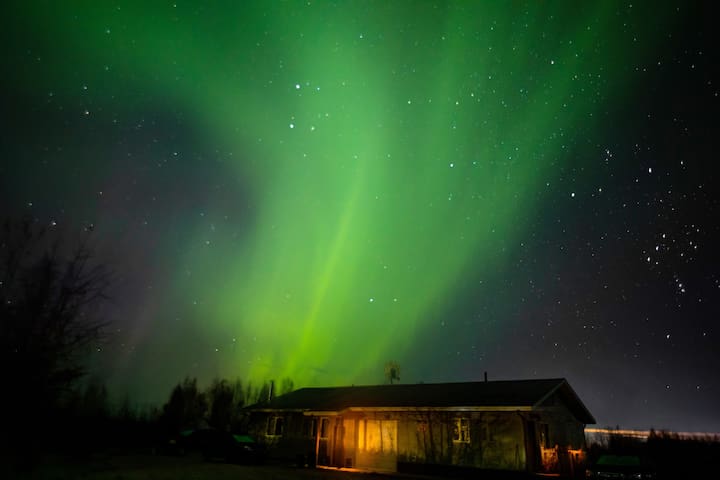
310, 189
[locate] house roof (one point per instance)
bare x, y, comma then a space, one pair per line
506, 393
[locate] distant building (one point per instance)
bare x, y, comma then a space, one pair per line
523, 425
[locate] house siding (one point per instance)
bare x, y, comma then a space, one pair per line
541, 438
399, 440
495, 440
564, 450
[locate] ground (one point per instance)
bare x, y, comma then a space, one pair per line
150, 467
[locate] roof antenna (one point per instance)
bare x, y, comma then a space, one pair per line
392, 371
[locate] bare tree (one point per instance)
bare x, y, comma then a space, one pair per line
49, 316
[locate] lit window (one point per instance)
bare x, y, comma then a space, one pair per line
461, 430
275, 426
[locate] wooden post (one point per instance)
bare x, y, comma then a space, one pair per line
318, 426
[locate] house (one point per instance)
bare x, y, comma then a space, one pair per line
523, 425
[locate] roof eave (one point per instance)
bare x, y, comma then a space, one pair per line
585, 416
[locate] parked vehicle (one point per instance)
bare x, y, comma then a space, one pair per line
217, 445
176, 445
621, 467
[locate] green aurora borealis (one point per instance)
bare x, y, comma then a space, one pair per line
382, 165
388, 164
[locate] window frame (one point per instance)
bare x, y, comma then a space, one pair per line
275, 424
461, 430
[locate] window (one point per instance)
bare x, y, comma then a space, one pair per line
377, 436
275, 426
461, 430
362, 436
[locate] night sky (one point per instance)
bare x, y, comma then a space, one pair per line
311, 189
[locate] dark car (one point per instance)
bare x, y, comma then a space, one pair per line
621, 467
177, 444
227, 447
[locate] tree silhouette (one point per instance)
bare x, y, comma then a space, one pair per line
220, 398
49, 298
186, 407
286, 386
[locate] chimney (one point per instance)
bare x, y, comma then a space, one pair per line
486, 376
271, 391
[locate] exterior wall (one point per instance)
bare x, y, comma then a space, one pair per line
296, 443
549, 440
561, 438
490, 440
384, 441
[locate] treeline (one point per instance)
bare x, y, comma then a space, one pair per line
676, 456
218, 406
670, 454
86, 422
53, 312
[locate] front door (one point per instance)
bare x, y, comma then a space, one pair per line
322, 449
338, 443
532, 447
